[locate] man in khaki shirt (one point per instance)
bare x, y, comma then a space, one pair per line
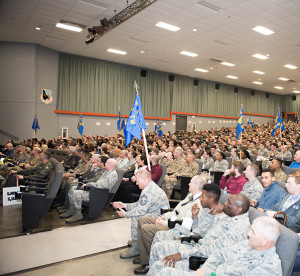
279, 174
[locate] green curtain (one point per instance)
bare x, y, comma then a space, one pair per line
96, 86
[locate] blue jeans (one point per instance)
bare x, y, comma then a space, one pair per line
297, 262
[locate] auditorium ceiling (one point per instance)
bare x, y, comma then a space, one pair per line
215, 30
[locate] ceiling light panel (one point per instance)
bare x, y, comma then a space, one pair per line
201, 70
114, 51
232, 77
283, 79
227, 63
278, 87
296, 91
290, 66
258, 72
257, 82
93, 4
167, 26
69, 27
259, 56
186, 53
262, 30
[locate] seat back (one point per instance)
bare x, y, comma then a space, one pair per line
282, 185
200, 164
227, 153
294, 170
253, 158
223, 198
217, 177
286, 170
115, 188
97, 201
185, 181
161, 180
287, 244
229, 160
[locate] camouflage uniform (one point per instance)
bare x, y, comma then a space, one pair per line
147, 226
178, 167
240, 259
252, 189
246, 162
81, 168
221, 166
39, 171
107, 181
201, 225
287, 156
225, 233
208, 163
253, 151
151, 200
280, 176
263, 152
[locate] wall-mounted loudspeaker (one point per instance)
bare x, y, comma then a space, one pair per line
196, 82
171, 77
143, 73
294, 97
252, 92
217, 86
267, 95
236, 89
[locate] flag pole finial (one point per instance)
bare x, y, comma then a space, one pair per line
136, 87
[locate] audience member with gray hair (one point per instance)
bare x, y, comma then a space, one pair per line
255, 256
106, 181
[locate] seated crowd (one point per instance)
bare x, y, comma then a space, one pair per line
256, 170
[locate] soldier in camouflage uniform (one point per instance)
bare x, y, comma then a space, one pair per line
177, 168
253, 188
285, 155
107, 181
275, 165
221, 164
202, 219
228, 230
151, 200
40, 171
256, 256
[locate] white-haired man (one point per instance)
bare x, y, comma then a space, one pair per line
106, 181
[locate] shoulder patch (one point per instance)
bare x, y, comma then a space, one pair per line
143, 200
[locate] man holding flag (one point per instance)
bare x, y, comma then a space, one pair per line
240, 125
80, 125
158, 127
278, 123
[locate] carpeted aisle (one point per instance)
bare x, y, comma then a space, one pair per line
25, 252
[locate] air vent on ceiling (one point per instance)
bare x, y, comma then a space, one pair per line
215, 60
208, 7
291, 81
222, 43
93, 4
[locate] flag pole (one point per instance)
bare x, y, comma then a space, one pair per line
144, 136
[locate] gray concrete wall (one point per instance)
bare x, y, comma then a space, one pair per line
25, 69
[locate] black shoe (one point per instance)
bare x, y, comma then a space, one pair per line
136, 260
141, 270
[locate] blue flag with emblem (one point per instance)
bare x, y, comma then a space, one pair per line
250, 122
135, 123
122, 127
119, 122
240, 125
35, 124
158, 127
127, 135
80, 125
278, 123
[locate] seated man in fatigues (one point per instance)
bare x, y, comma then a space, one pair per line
106, 181
151, 200
148, 226
255, 256
227, 231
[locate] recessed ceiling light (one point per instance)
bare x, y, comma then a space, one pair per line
296, 91
201, 70
290, 66
167, 26
194, 30
69, 26
93, 4
278, 87
283, 79
260, 56
232, 77
257, 82
38, 28
258, 72
188, 54
227, 63
142, 52
263, 30
116, 51
208, 7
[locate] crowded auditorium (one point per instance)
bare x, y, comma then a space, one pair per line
150, 137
